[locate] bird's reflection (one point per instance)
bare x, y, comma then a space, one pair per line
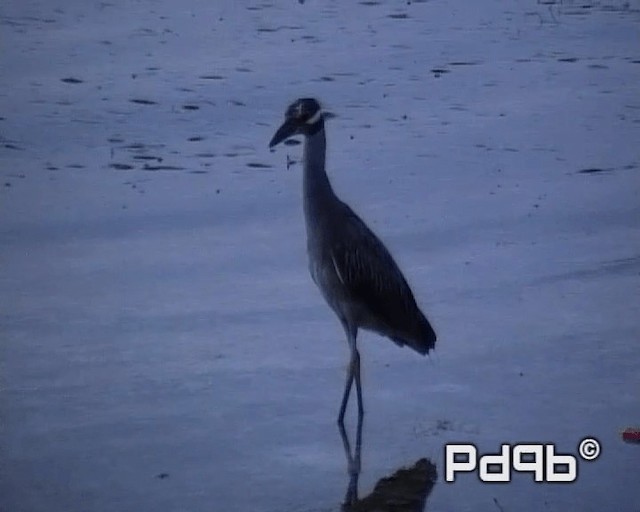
406, 490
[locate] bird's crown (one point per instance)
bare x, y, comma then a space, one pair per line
304, 110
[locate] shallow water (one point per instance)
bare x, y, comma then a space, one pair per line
163, 347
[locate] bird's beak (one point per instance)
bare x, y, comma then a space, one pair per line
287, 129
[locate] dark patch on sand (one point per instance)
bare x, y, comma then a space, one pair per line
594, 170
141, 101
147, 157
437, 72
121, 167
464, 63
71, 80
148, 167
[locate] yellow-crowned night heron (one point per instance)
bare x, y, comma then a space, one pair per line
353, 269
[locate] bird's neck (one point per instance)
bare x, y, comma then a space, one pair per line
316, 185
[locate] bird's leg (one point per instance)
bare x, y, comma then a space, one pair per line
345, 395
353, 373
358, 444
353, 468
358, 385
353, 464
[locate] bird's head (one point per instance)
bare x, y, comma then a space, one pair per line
303, 117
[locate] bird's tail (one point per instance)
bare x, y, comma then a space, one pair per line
426, 337
423, 337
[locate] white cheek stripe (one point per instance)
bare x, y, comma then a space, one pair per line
314, 118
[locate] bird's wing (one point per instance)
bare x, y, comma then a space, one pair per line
370, 275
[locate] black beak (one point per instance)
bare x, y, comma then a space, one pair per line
287, 129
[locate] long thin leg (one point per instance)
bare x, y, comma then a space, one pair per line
347, 392
358, 385
353, 373
353, 464
358, 451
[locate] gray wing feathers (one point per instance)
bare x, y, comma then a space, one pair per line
371, 276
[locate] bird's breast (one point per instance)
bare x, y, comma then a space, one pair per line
327, 279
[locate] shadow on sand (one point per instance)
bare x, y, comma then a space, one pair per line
406, 490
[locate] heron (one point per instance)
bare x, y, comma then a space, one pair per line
355, 272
